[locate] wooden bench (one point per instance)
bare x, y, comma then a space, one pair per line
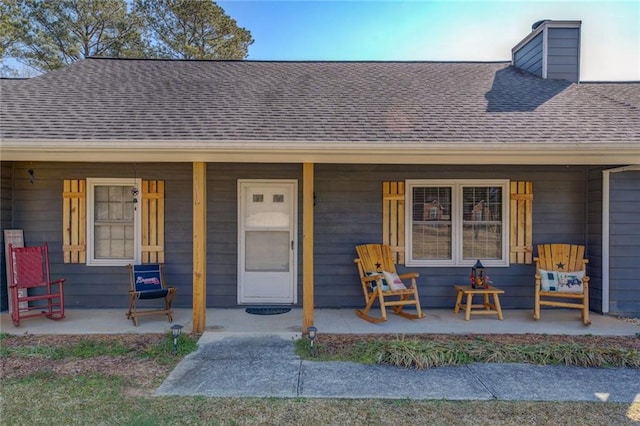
486, 308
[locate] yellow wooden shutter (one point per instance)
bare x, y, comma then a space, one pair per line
521, 240
152, 221
74, 221
393, 218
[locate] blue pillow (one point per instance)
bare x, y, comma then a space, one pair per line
374, 284
549, 280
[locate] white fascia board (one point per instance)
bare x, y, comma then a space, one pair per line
631, 167
321, 152
562, 24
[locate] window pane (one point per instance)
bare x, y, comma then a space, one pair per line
113, 222
432, 241
431, 224
113, 241
482, 224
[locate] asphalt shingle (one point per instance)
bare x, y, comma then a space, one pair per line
350, 102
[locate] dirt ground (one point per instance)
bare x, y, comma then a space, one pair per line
141, 371
144, 372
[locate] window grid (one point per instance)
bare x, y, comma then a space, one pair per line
113, 221
114, 224
482, 224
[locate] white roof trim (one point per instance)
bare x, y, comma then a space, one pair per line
623, 168
321, 152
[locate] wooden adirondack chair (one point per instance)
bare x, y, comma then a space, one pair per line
375, 266
147, 282
29, 270
561, 273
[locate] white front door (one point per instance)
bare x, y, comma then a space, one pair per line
267, 241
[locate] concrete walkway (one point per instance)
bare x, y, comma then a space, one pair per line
267, 366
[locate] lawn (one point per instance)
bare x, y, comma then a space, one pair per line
110, 380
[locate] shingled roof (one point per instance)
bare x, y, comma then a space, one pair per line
390, 103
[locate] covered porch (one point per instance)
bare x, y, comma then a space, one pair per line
236, 321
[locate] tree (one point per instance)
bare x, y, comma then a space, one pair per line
48, 34
9, 26
61, 32
192, 29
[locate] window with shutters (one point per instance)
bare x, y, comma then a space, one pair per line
456, 222
114, 220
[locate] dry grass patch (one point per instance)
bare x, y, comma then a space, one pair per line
432, 350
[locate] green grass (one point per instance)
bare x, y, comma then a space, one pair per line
162, 352
45, 398
420, 354
83, 349
96, 400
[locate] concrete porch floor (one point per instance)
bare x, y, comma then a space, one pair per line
224, 322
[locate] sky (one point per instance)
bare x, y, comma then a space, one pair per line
425, 30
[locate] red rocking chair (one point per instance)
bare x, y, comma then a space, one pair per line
31, 287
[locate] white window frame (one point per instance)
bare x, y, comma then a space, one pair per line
457, 216
92, 183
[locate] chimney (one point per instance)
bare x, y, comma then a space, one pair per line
551, 50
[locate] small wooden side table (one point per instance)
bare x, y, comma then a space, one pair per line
486, 308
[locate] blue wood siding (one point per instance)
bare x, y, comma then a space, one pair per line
529, 56
624, 244
6, 222
563, 53
347, 212
222, 224
38, 211
594, 227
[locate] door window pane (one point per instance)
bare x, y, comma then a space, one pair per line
269, 212
267, 251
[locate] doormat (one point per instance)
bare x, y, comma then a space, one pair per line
267, 310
